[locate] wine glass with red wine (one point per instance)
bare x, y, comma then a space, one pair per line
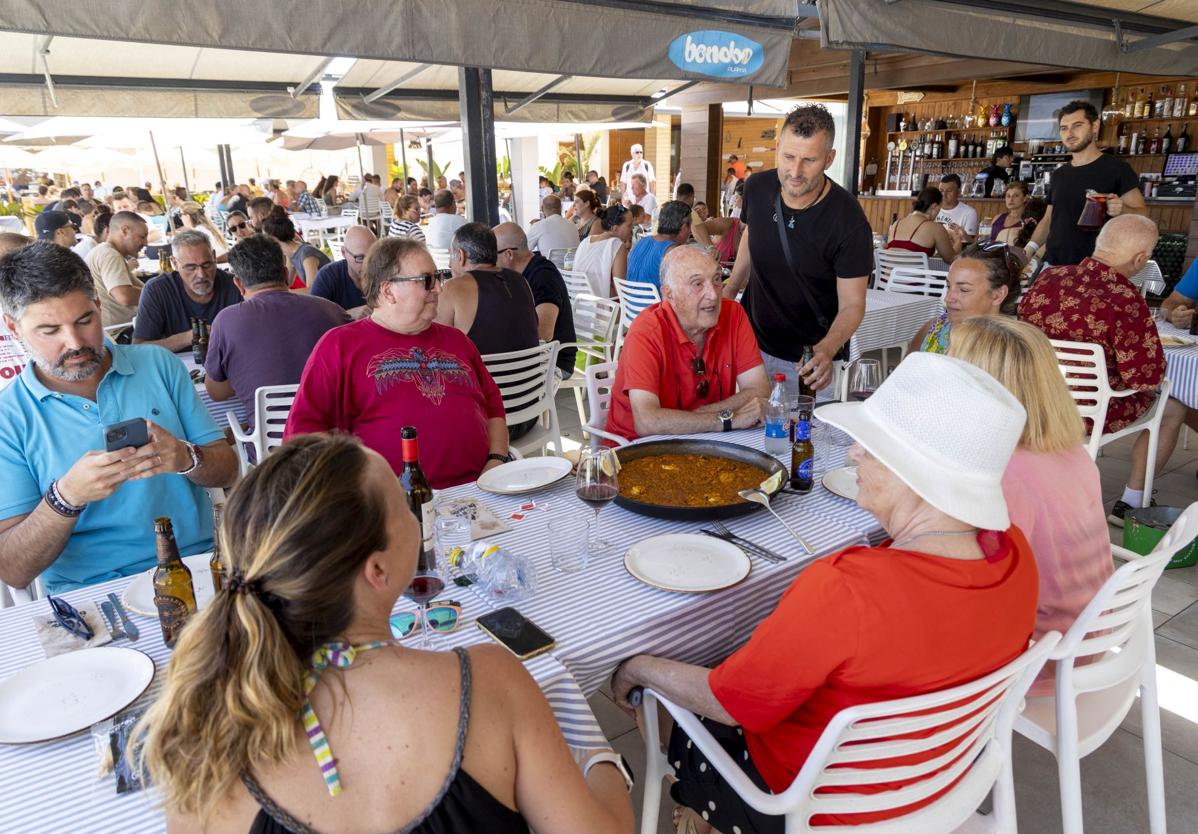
597, 484
428, 581
867, 376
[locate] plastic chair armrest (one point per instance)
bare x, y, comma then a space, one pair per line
239, 435
606, 435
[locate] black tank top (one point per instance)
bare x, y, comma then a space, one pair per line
506, 318
461, 807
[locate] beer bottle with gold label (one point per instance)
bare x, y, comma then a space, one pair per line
802, 455
174, 595
215, 566
420, 494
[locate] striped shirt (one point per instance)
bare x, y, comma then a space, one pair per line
405, 228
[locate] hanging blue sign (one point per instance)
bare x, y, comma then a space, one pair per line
717, 54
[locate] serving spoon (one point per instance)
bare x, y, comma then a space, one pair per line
759, 496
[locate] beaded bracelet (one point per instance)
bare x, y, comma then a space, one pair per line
59, 504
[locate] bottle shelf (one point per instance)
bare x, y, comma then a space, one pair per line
1124, 119
952, 130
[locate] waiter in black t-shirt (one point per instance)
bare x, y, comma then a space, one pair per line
999, 168
814, 294
1089, 170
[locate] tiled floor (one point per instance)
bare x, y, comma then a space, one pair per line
1113, 776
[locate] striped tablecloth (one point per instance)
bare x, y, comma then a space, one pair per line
602, 615
1182, 365
891, 318
52, 787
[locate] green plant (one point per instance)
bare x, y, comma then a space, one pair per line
581, 166
504, 168
8, 209
438, 170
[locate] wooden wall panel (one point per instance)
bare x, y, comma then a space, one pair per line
752, 139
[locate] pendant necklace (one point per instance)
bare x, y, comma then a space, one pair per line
790, 222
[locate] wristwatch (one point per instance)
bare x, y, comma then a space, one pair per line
500, 458
616, 759
726, 420
197, 458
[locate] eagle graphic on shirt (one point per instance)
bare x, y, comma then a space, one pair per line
430, 369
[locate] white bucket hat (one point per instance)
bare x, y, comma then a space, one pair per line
946, 428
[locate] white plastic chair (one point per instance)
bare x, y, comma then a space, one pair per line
525, 379
599, 381
577, 283
10, 595
440, 257
272, 404
887, 259
595, 323
560, 256
914, 281
634, 296
1091, 700
1084, 366
972, 722
1150, 279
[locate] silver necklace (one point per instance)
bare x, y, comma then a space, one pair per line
971, 532
797, 211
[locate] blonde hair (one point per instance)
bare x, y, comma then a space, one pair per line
296, 532
1020, 357
195, 212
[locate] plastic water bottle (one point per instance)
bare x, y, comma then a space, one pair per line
777, 441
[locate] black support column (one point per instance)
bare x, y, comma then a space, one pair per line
478, 140
852, 167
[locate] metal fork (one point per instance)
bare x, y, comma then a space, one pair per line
724, 531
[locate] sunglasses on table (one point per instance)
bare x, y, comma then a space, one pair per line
443, 617
429, 278
69, 618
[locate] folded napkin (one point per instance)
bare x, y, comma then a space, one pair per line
57, 640
1170, 340
483, 521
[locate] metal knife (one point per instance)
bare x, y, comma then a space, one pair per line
768, 555
130, 629
114, 624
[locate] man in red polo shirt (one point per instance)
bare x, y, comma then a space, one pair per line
691, 363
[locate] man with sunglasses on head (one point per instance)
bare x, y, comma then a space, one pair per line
258, 209
266, 339
690, 364
196, 289
398, 367
341, 281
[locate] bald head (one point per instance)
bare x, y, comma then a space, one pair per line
511, 236
552, 204
681, 263
1126, 243
358, 240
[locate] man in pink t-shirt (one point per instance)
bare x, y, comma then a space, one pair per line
397, 368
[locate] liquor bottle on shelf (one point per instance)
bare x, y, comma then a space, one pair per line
1183, 141
1150, 105
1163, 104
1129, 104
1133, 145
938, 148
1180, 101
953, 146
1122, 141
1167, 139
1138, 109
1155, 145
1142, 145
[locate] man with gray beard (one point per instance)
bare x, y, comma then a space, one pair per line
71, 512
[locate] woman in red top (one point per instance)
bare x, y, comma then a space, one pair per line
950, 598
919, 231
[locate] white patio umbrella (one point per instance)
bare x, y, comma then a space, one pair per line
318, 137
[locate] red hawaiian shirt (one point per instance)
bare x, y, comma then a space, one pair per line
1091, 302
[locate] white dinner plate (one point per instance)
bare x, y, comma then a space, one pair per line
524, 475
687, 562
70, 692
842, 482
139, 596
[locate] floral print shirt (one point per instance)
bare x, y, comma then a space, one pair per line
1091, 302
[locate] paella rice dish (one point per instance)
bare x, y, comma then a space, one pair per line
687, 480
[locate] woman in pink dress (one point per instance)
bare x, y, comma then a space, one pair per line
1051, 484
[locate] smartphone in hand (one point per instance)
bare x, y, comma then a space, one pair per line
126, 433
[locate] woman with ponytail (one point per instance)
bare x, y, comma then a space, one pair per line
289, 707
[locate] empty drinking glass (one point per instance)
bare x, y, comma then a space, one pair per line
568, 543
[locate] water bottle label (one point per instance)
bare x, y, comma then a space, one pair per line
775, 428
807, 470
803, 430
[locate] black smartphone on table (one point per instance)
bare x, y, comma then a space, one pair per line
515, 632
126, 433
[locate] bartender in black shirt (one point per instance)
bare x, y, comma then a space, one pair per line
816, 297
1089, 170
999, 168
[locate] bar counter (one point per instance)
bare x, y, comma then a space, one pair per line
1170, 216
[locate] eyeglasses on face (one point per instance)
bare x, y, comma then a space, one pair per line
237, 227
201, 267
350, 256
509, 249
429, 278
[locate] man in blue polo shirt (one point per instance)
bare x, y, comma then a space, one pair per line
1179, 306
70, 511
673, 229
